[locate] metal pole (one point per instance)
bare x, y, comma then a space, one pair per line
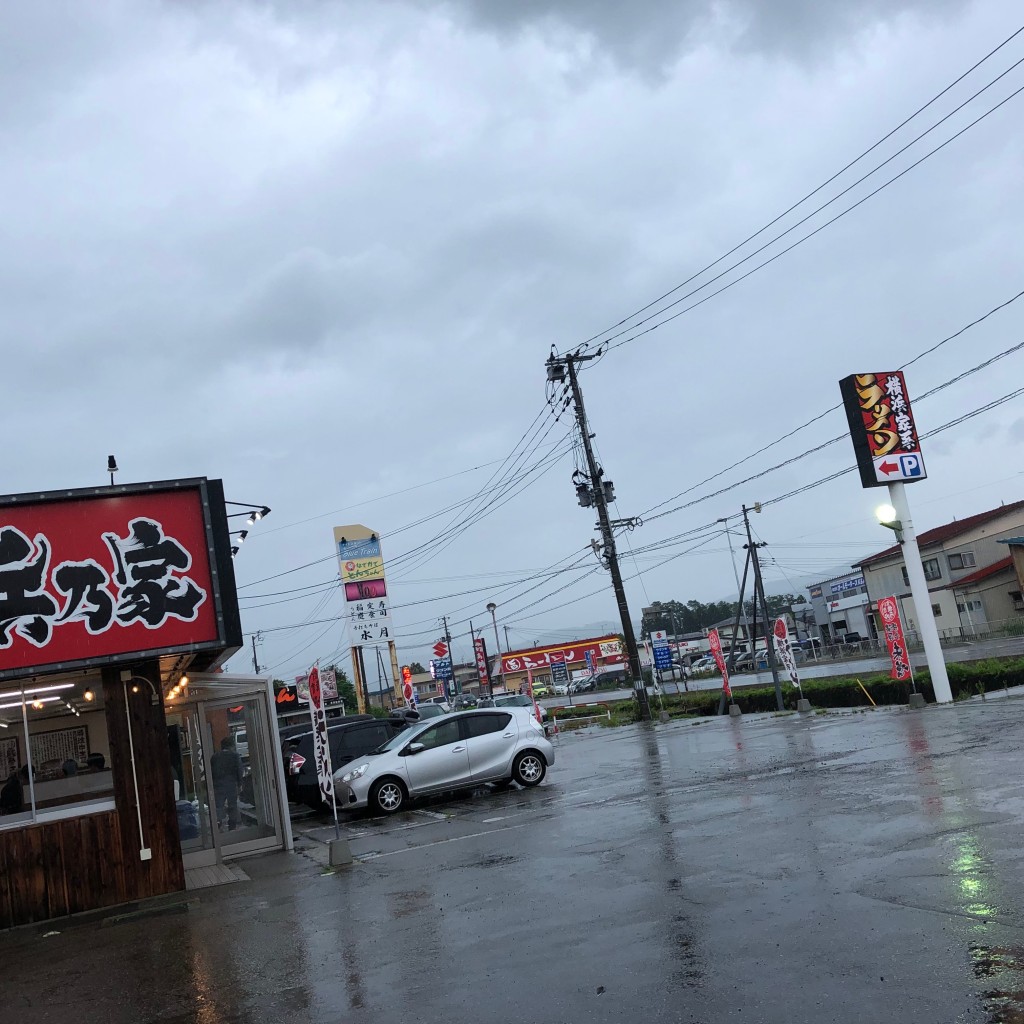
759, 594
730, 661
255, 663
492, 608
735, 573
597, 486
453, 689
919, 592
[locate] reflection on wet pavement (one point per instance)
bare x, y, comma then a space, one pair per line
827, 868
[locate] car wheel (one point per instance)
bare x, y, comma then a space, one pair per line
387, 796
529, 769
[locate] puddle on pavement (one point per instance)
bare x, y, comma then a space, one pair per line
1003, 1005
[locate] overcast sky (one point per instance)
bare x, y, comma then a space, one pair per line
322, 250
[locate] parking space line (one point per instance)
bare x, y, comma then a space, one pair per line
441, 842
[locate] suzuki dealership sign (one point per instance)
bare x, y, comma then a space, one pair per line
882, 428
112, 574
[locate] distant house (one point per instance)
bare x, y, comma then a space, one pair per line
972, 583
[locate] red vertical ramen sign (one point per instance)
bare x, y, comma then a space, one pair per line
889, 612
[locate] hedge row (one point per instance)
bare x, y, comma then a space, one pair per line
966, 679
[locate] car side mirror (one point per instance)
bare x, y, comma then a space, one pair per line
414, 748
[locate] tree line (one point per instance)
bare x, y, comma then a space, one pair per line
676, 617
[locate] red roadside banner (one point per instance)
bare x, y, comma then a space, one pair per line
889, 612
529, 689
716, 652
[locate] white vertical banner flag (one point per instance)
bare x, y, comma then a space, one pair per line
321, 748
780, 634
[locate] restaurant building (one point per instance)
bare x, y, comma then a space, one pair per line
581, 657
126, 757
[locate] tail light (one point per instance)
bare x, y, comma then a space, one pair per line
295, 763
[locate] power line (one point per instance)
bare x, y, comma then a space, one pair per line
810, 194
802, 239
834, 408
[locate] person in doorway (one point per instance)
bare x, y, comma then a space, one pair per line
226, 766
12, 796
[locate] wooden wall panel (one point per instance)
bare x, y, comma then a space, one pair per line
61, 867
164, 872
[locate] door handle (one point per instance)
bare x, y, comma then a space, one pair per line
507, 735
458, 750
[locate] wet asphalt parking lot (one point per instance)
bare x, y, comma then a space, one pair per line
841, 867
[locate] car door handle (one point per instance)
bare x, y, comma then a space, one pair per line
458, 750
507, 735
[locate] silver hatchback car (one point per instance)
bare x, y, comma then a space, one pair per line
467, 748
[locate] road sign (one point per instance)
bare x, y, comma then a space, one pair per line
559, 673
440, 649
442, 668
590, 662
662, 651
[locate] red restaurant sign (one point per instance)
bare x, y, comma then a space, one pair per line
889, 612
101, 575
604, 649
715, 642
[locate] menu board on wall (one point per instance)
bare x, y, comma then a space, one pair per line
60, 745
8, 757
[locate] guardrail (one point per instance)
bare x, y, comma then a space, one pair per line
572, 720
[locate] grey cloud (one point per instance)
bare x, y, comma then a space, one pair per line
647, 35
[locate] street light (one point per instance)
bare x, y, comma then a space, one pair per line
492, 608
889, 518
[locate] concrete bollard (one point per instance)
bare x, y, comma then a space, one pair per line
803, 704
340, 853
734, 711
663, 716
917, 701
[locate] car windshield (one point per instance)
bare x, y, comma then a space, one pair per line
519, 700
403, 737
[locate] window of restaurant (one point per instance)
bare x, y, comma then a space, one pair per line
54, 750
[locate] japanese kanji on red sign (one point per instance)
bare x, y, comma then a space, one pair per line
889, 613
95, 576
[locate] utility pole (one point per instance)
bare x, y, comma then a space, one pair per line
759, 599
599, 493
453, 692
255, 664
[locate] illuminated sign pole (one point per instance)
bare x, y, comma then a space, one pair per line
888, 450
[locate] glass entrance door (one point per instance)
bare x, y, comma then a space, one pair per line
226, 779
243, 777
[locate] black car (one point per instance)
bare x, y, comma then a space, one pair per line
348, 738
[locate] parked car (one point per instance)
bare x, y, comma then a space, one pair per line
431, 710
704, 666
518, 700
465, 701
442, 701
346, 737
466, 749
540, 690
561, 689
584, 685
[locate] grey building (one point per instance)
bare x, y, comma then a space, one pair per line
841, 605
972, 585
